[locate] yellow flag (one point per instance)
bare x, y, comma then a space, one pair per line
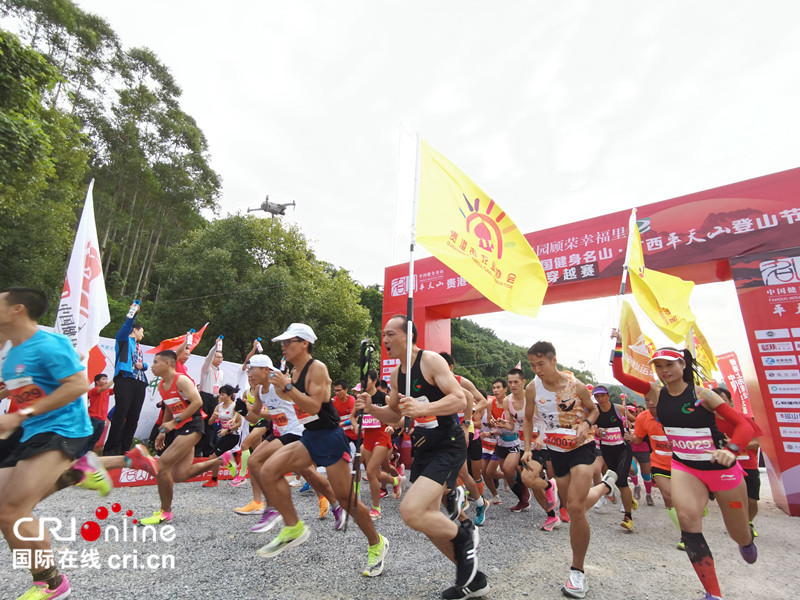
636, 346
465, 229
664, 298
704, 355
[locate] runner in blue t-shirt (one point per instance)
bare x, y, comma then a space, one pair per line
46, 384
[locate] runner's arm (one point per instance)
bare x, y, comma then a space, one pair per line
435, 369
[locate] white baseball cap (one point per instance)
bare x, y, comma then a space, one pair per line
301, 330
261, 360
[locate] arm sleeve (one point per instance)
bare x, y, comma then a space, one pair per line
629, 381
742, 429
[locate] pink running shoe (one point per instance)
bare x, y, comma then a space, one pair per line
237, 481
140, 459
229, 462
550, 496
40, 590
551, 523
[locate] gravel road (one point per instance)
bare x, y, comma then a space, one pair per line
214, 554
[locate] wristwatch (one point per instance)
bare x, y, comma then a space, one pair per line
467, 422
732, 448
288, 387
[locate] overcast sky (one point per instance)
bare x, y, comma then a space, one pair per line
560, 110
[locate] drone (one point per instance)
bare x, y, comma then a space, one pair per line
273, 208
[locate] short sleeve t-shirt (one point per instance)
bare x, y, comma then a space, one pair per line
98, 403
34, 369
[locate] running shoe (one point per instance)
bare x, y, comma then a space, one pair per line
563, 514
237, 481
551, 523
376, 557
477, 589
465, 559
710, 596
95, 477
397, 490
749, 553
610, 479
634, 504
576, 586
339, 516
140, 459
705, 511
295, 482
480, 513
453, 502
681, 546
287, 538
211, 483
40, 591
520, 506
637, 492
550, 496
600, 503
753, 530
268, 520
375, 513
496, 500
158, 518
251, 508
383, 493
323, 506
229, 462
649, 500
627, 523
305, 489
470, 527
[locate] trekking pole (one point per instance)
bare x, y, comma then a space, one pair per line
365, 355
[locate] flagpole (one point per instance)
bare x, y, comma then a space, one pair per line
624, 281
410, 305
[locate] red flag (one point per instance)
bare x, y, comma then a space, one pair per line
173, 343
519, 365
97, 362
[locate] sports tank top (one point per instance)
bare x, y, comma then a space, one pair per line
610, 428
561, 411
176, 401
423, 392
282, 412
326, 418
224, 415
692, 430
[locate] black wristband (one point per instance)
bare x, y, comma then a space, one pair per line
589, 422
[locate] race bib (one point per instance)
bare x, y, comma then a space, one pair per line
560, 439
370, 422
427, 422
303, 416
24, 392
610, 436
344, 421
177, 406
279, 418
488, 445
661, 445
691, 444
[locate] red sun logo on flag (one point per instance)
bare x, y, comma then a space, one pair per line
487, 229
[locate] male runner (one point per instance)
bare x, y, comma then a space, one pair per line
569, 416
47, 384
323, 443
439, 450
180, 430
508, 448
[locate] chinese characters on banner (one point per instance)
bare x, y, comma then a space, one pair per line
768, 286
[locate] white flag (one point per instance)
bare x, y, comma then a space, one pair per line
83, 310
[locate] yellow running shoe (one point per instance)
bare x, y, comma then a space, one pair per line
627, 523
323, 506
251, 508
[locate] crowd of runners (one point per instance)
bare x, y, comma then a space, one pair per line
554, 439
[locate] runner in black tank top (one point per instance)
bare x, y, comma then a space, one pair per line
323, 443
439, 449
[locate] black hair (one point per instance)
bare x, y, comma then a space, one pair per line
341, 382
448, 357
541, 348
516, 371
137, 326
34, 301
372, 375
169, 355
404, 318
501, 381
229, 390
383, 384
99, 376
723, 393
690, 373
